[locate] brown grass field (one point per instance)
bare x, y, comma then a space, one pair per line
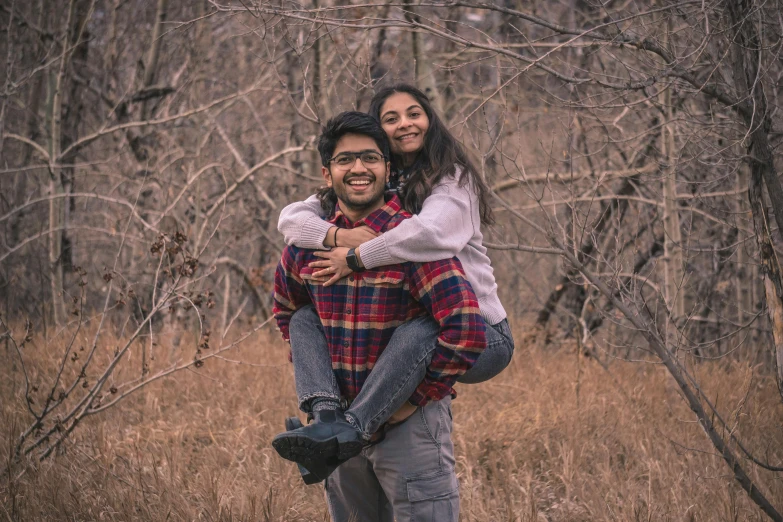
554, 438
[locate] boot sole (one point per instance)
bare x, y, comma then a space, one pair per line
309, 477
304, 450
317, 471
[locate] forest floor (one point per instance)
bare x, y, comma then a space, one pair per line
554, 438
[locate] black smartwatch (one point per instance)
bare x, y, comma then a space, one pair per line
353, 261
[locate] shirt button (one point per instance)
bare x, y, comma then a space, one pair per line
345, 343
347, 310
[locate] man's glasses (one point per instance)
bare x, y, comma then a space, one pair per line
369, 159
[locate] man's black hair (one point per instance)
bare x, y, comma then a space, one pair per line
350, 122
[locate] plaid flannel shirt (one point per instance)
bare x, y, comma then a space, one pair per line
360, 312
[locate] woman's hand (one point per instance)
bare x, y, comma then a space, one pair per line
354, 237
333, 265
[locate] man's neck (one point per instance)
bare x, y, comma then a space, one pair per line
354, 215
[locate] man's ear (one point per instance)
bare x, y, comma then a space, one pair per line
327, 176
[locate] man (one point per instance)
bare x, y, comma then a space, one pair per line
409, 473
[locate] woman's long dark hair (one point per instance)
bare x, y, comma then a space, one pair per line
439, 157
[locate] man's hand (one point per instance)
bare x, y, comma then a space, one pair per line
354, 237
405, 411
333, 265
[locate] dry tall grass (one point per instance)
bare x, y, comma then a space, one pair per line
554, 438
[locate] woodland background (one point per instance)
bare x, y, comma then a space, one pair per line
147, 147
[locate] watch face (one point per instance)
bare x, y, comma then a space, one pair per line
352, 262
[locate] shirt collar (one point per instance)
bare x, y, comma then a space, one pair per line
376, 220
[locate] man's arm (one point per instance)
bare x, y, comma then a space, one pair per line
441, 287
290, 291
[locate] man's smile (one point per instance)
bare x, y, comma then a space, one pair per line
360, 183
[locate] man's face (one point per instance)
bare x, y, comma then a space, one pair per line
359, 184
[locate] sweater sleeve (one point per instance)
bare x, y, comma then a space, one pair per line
302, 224
440, 231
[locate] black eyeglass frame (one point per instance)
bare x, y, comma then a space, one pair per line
358, 155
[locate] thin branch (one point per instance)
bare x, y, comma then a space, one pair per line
40, 149
522, 248
88, 195
86, 140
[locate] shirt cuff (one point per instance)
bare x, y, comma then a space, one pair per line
418, 399
374, 253
313, 233
429, 390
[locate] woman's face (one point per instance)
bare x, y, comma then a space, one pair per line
406, 124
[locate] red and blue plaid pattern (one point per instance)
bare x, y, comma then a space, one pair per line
360, 312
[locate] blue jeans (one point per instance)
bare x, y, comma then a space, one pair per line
397, 372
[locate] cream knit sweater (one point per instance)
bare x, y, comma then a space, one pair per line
447, 226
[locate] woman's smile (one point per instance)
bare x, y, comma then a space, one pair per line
407, 137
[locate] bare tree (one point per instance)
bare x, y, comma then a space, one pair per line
664, 94
634, 144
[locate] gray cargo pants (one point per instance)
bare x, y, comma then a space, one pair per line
409, 475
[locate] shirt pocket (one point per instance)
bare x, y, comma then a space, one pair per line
326, 301
384, 278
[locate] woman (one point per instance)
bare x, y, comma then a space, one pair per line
438, 184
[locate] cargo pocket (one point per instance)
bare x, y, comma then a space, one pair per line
434, 497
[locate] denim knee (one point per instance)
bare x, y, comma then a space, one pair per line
306, 319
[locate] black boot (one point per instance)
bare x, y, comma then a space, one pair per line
330, 436
319, 472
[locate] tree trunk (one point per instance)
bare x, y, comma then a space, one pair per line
673, 266
226, 302
318, 83
33, 132
317, 87
148, 79
672, 245
745, 283
57, 204
757, 119
770, 267
153, 55
72, 115
423, 74
377, 70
